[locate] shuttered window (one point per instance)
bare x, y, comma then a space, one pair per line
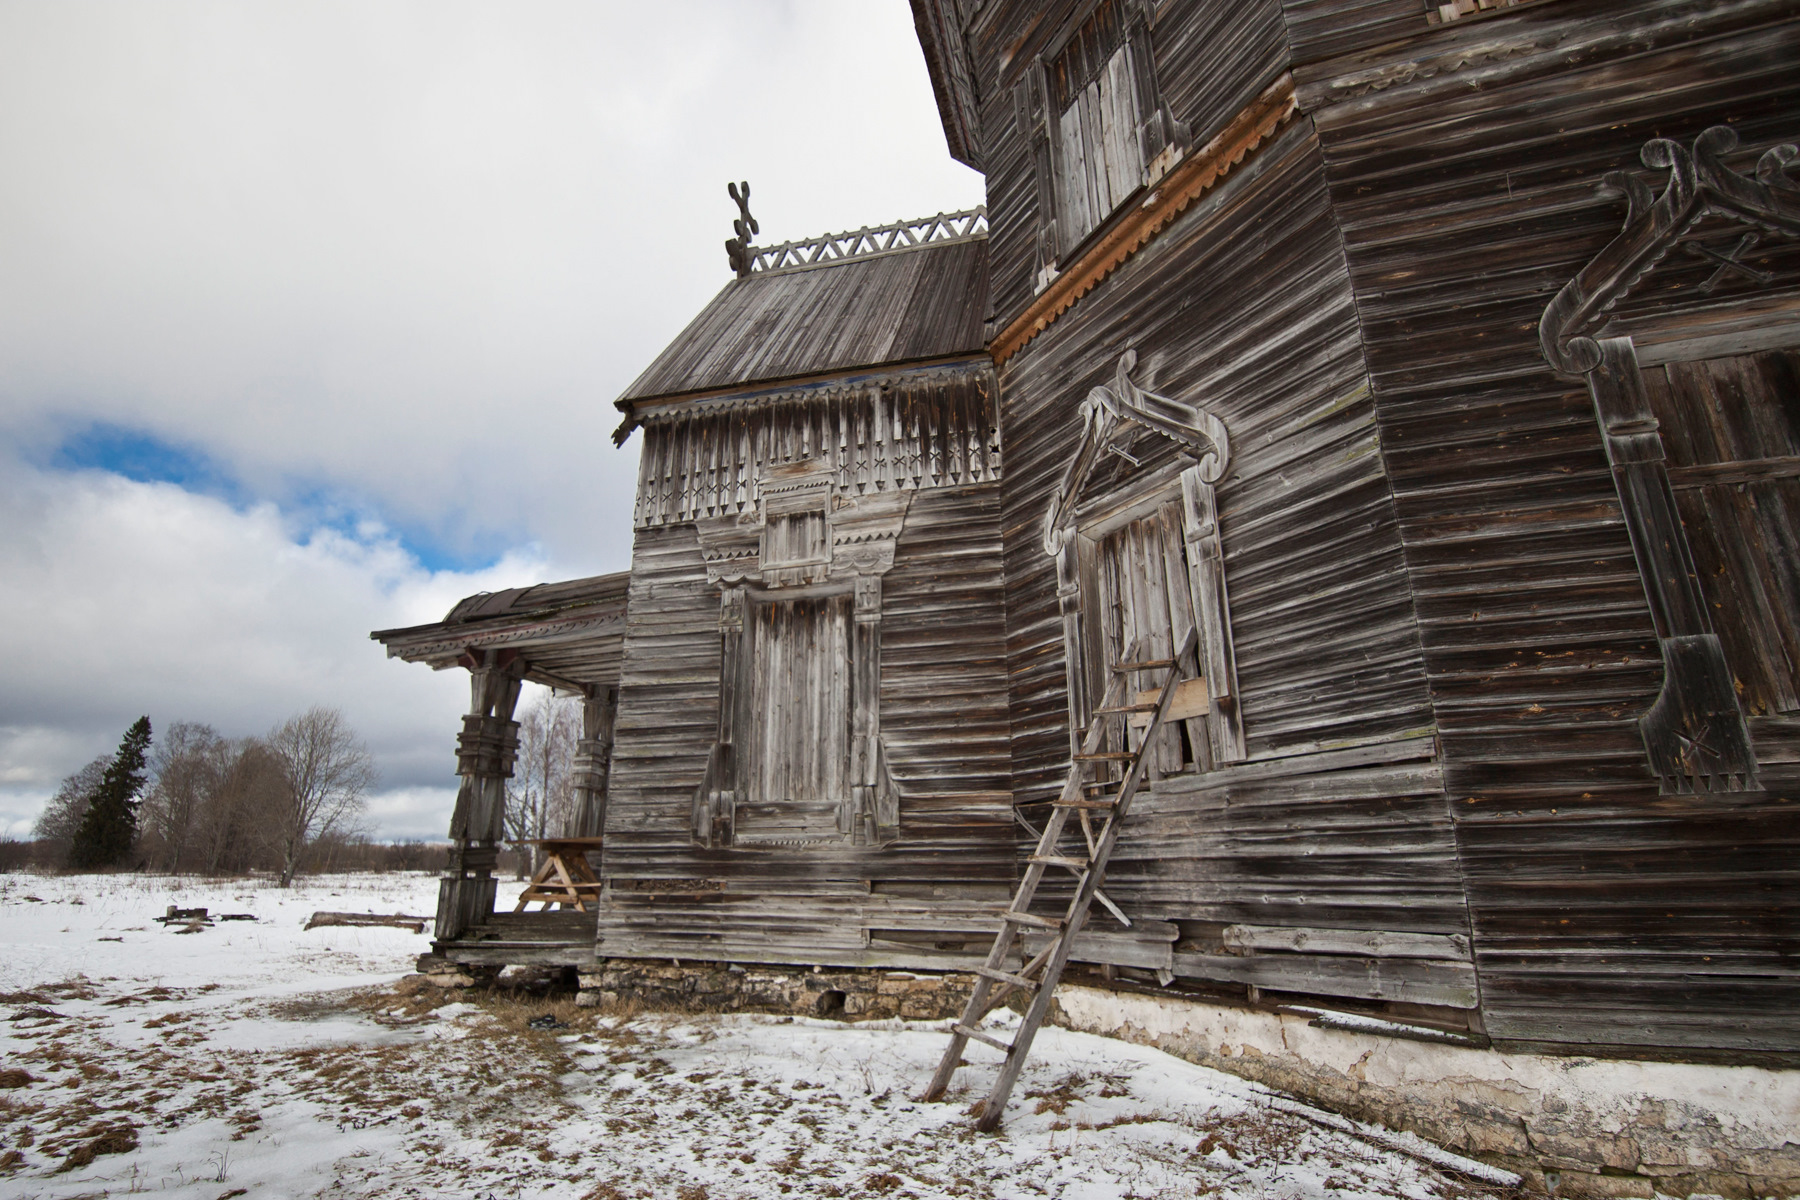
798, 722
1146, 608
1099, 140
1731, 431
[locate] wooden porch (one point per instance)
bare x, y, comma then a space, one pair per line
563, 938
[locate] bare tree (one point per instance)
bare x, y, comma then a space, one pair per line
190, 767
326, 770
252, 782
64, 811
541, 792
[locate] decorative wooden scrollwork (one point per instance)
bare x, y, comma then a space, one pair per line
1108, 416
1695, 736
1699, 185
738, 249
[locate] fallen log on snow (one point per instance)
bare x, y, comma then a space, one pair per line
397, 920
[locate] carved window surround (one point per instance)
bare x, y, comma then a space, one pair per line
803, 539
1074, 522
1695, 735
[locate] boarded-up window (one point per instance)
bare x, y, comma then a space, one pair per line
1731, 430
796, 741
796, 539
1099, 142
1146, 609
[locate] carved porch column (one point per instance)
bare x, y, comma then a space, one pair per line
484, 758
593, 763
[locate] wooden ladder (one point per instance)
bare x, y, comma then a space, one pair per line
1085, 798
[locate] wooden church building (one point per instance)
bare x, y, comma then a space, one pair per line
1436, 367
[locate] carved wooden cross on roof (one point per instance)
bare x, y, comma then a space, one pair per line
737, 249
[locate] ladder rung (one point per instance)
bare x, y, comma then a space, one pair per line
996, 1043
1019, 918
1058, 860
1018, 981
1089, 804
1144, 664
1107, 756
1126, 708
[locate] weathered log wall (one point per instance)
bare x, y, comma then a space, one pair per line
1211, 56
1463, 171
1328, 657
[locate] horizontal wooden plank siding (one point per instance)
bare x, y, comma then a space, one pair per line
1306, 832
1603, 912
1211, 57
925, 899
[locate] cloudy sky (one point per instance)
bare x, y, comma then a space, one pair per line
312, 313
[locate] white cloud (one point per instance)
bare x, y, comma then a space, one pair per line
391, 260
140, 598
413, 250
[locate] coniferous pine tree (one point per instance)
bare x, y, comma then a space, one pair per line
105, 835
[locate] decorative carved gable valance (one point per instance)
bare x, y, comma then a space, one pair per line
901, 433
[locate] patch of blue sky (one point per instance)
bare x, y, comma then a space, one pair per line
144, 457
435, 548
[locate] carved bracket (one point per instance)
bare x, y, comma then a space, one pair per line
1699, 185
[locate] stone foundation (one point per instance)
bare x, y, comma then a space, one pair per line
1573, 1127
800, 991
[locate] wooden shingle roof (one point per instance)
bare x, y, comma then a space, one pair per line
908, 305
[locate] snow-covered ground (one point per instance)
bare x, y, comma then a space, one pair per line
257, 1059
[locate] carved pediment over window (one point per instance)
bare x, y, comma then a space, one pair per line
803, 532
1707, 268
1721, 221
1111, 415
1179, 514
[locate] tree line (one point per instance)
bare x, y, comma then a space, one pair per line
196, 801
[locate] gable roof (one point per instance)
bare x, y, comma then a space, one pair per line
907, 305
939, 24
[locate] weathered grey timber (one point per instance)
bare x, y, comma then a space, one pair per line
563, 635
1444, 645
1435, 366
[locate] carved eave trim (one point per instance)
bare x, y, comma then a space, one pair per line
1186, 182
443, 644
1107, 416
1699, 185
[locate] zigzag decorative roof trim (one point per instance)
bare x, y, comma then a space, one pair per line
868, 242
